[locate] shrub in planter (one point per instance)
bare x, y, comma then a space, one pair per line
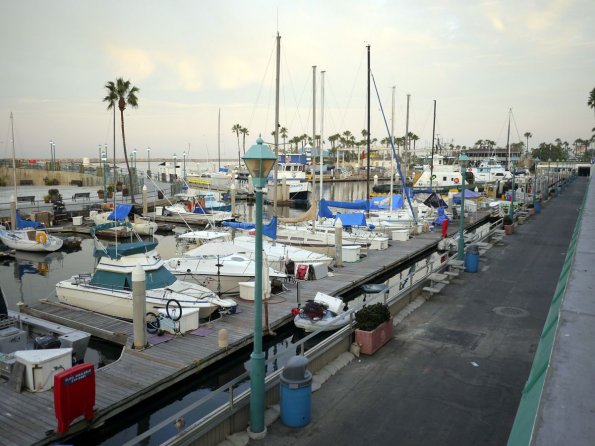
371, 316
54, 194
100, 193
375, 327
508, 224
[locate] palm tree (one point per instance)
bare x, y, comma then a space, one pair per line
283, 134
591, 101
237, 129
413, 137
244, 131
528, 135
122, 93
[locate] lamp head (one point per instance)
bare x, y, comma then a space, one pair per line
259, 160
463, 160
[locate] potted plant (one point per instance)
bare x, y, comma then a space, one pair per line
118, 186
508, 225
100, 193
110, 191
47, 198
54, 194
374, 327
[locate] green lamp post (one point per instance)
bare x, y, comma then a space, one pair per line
103, 164
259, 160
513, 194
535, 163
463, 162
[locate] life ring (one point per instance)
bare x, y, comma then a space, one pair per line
434, 177
456, 180
40, 237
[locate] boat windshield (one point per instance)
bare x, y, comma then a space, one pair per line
158, 278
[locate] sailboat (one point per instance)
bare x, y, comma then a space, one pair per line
26, 235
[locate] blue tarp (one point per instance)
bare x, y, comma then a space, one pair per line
354, 219
270, 229
324, 210
24, 224
384, 203
456, 198
121, 212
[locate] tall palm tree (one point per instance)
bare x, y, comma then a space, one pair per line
591, 101
283, 134
528, 135
244, 131
236, 129
122, 93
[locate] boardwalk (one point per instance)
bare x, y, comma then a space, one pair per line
139, 374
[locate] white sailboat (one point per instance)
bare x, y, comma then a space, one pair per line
26, 235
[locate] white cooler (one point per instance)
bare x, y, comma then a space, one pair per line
400, 235
42, 365
77, 221
188, 321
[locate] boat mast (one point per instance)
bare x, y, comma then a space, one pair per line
321, 153
432, 157
313, 200
312, 171
368, 143
392, 164
406, 148
277, 81
508, 141
14, 162
218, 141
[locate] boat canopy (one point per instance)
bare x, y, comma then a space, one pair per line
26, 224
270, 229
115, 252
159, 278
108, 225
121, 212
376, 203
354, 219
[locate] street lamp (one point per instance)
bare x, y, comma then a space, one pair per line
103, 164
149, 162
535, 163
463, 162
175, 166
548, 177
512, 195
184, 174
259, 160
557, 178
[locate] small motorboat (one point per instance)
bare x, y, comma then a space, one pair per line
324, 313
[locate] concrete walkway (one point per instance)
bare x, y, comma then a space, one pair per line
454, 372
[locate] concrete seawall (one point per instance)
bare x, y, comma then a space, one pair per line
36, 176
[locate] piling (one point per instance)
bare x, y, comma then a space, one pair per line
233, 197
338, 242
145, 206
139, 308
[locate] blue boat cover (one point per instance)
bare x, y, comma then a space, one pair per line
354, 219
24, 224
324, 211
121, 212
384, 203
125, 249
468, 194
270, 229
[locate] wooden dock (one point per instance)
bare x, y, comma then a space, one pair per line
138, 375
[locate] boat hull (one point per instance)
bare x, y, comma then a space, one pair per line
21, 244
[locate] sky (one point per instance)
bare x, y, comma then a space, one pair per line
192, 59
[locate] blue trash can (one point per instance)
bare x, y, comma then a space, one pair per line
472, 259
296, 393
538, 206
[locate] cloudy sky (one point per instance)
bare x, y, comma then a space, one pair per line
189, 59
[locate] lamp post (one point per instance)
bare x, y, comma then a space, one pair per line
463, 161
557, 178
103, 164
512, 195
149, 162
184, 172
175, 167
51, 155
259, 160
548, 177
535, 163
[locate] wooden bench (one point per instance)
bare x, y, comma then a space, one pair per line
26, 198
83, 195
26, 182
